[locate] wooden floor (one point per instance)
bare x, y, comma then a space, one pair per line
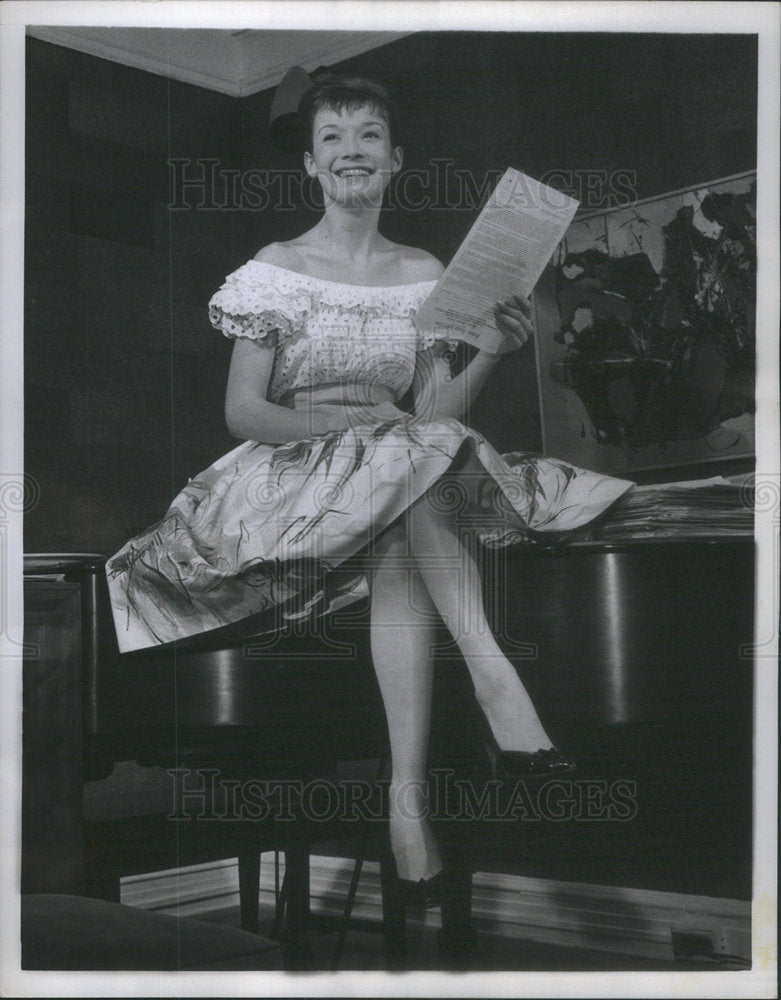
522, 924
363, 951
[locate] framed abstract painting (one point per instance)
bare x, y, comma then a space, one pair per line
645, 332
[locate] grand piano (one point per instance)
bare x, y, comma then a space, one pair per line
638, 653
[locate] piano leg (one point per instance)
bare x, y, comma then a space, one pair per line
298, 952
249, 888
457, 939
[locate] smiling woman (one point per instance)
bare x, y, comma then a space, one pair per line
335, 488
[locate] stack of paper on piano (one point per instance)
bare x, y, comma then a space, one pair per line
713, 507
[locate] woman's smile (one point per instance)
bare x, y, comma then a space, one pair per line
354, 172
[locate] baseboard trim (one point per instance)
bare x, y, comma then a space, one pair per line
604, 918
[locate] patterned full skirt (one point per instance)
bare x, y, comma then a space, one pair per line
278, 532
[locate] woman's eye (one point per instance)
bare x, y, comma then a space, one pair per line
371, 135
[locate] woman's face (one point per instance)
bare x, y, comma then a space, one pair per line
352, 156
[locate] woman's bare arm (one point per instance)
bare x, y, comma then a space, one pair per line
249, 415
438, 395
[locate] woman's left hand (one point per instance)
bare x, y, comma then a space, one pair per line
513, 319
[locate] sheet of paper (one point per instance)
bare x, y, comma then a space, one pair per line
504, 254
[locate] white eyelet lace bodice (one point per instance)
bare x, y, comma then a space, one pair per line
324, 332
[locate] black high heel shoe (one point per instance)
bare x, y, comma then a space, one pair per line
514, 764
548, 763
421, 894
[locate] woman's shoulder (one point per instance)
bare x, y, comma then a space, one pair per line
418, 265
279, 254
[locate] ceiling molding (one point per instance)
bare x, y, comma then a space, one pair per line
333, 47
236, 63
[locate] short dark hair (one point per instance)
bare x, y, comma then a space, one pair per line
345, 94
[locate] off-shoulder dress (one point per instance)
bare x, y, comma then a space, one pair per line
277, 532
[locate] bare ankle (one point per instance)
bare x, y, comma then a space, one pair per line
414, 848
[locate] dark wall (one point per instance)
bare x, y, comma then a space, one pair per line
122, 374
124, 377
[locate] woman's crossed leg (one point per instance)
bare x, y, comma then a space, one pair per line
422, 571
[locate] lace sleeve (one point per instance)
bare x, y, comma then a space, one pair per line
251, 306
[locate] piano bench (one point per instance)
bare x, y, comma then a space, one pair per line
62, 932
